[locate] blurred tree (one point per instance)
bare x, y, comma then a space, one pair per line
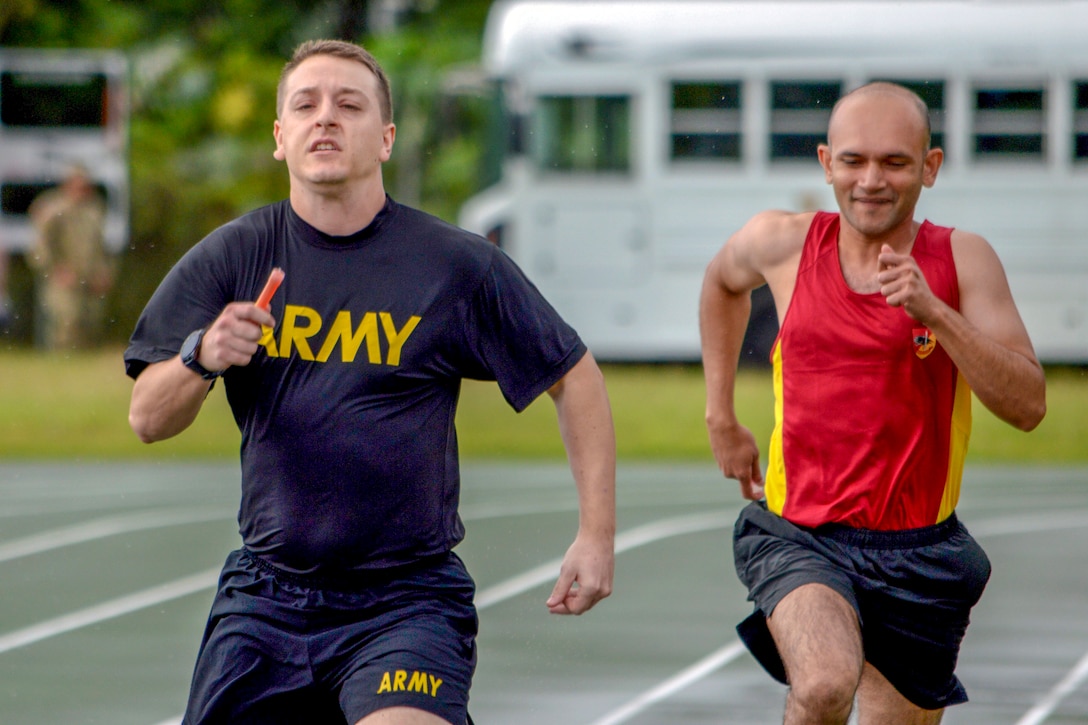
204, 80
434, 166
13, 10
352, 20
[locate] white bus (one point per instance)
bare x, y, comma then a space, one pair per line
59, 107
640, 135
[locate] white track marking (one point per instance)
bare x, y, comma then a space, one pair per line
991, 527
1029, 523
500, 592
482, 512
632, 539
626, 541
129, 523
207, 579
699, 670
102, 528
109, 610
1046, 706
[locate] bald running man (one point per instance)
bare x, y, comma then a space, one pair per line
861, 575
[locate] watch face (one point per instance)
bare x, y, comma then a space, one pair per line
189, 347
189, 351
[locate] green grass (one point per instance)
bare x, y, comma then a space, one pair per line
74, 407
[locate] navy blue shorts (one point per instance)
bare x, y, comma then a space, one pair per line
913, 591
279, 650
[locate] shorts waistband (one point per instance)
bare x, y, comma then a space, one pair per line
347, 580
901, 539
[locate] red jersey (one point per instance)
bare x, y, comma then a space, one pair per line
872, 417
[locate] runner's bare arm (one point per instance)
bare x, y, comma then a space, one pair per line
986, 339
167, 396
766, 249
585, 424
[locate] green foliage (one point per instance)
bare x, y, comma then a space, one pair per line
203, 94
434, 166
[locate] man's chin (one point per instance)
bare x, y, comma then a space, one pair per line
872, 225
327, 179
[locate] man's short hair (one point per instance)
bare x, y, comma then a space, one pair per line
338, 49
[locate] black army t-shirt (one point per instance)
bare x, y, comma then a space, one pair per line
349, 454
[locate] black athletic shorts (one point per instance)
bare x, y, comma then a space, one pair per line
280, 650
913, 591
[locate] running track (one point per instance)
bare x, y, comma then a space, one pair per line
108, 571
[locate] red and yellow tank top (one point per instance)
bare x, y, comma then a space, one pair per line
872, 418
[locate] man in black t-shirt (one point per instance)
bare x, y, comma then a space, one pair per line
346, 602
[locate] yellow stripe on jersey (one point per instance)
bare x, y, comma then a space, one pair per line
774, 487
960, 434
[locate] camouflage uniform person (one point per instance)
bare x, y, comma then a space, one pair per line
73, 265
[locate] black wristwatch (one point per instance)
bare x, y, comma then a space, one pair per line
190, 351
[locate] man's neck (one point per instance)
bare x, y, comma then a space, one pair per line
338, 212
858, 254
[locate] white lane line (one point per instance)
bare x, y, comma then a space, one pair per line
109, 610
699, 670
207, 579
1029, 523
1045, 707
481, 512
626, 541
991, 527
509, 588
159, 518
102, 528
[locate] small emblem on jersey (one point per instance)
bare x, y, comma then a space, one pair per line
924, 342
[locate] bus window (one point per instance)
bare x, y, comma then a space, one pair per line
800, 111
706, 121
582, 133
932, 92
59, 107
1009, 124
1080, 121
51, 99
16, 198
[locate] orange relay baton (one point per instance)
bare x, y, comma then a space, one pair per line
270, 287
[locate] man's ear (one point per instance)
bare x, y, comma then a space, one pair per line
389, 135
931, 164
279, 154
823, 152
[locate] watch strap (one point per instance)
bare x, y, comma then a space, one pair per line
191, 353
